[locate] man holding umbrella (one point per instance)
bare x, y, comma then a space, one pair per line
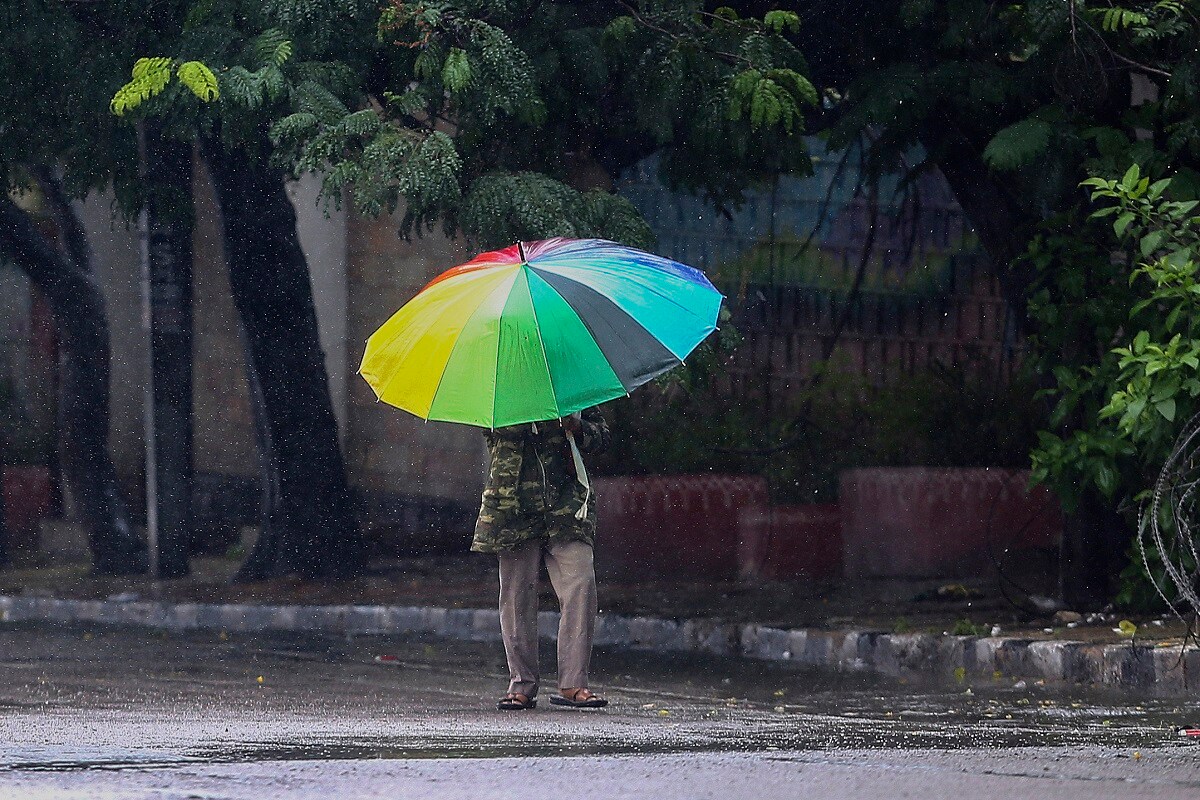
525, 342
535, 508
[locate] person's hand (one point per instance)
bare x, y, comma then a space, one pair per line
571, 423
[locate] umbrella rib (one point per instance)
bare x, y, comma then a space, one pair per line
496, 360
541, 343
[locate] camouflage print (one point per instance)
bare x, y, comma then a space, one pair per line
531, 490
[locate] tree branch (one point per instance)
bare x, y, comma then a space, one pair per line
732, 58
69, 225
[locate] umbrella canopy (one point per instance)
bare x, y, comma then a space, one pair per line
538, 331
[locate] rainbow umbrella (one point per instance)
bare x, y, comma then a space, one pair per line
538, 331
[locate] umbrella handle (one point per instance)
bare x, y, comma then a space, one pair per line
581, 476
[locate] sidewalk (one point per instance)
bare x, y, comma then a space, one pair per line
895, 628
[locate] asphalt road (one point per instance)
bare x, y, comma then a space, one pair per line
127, 714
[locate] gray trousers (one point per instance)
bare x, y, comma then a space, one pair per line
574, 579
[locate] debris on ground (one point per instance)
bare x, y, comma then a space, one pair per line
949, 591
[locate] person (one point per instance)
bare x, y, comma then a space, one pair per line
536, 507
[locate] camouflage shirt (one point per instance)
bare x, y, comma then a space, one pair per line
531, 490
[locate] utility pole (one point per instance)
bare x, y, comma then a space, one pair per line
165, 228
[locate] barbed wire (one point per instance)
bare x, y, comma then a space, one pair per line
1174, 498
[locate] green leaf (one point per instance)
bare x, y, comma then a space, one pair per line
1132, 176
456, 71
781, 21
271, 47
1167, 409
1018, 144
150, 76
1151, 242
157, 69
1106, 479
199, 79
1122, 222
621, 28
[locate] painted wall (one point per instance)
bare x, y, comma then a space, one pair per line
387, 449
362, 272
115, 264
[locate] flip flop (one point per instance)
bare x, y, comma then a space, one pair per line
515, 702
584, 698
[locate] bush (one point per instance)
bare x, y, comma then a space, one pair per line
945, 417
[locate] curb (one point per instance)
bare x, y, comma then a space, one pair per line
1171, 670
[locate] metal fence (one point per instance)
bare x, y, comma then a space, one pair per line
793, 261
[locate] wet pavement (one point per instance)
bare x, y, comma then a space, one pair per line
101, 713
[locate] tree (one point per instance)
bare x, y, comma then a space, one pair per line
307, 524
1017, 104
62, 116
483, 114
488, 140
48, 118
514, 120
243, 67
503, 119
81, 321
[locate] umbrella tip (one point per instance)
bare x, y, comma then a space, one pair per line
521, 250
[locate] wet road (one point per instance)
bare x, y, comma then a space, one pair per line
126, 714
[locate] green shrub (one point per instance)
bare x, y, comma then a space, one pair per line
944, 417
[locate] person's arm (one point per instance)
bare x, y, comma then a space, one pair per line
593, 435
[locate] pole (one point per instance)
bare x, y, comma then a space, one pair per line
166, 241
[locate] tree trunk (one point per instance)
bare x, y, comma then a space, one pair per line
167, 223
309, 527
1095, 540
1094, 537
3, 514
1004, 229
82, 322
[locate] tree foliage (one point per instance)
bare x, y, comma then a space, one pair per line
1017, 104
512, 120
151, 76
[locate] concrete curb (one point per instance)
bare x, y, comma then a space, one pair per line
1171, 670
